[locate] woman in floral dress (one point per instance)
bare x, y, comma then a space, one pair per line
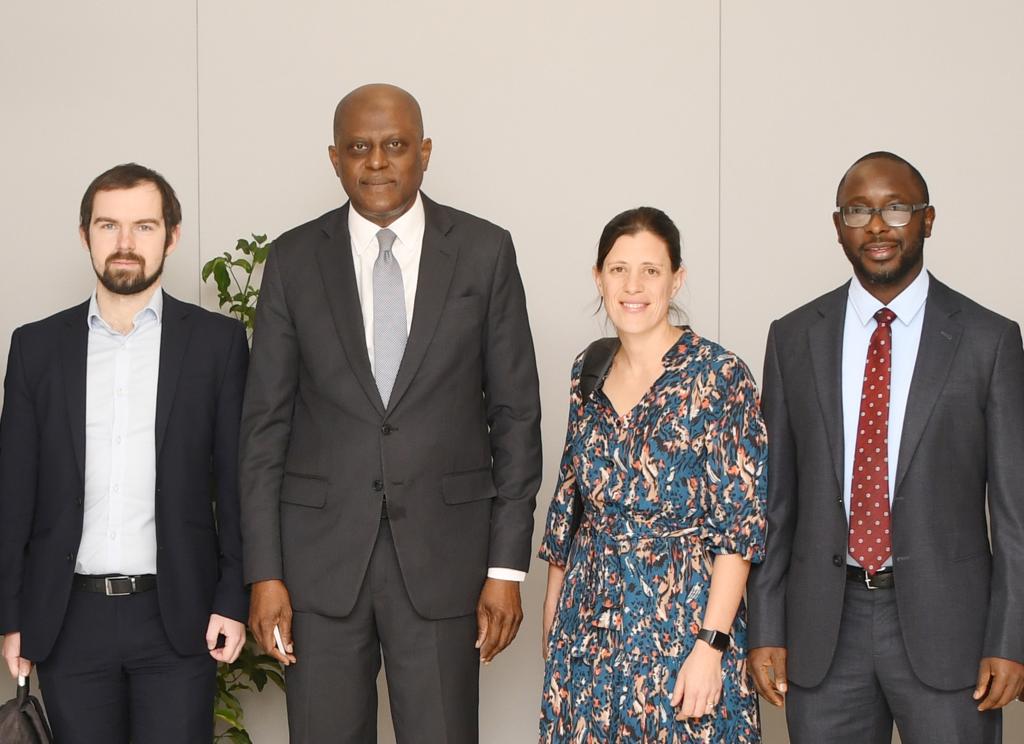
658, 513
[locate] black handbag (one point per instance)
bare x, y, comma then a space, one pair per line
22, 720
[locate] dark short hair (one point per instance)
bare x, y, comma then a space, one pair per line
641, 219
885, 155
126, 176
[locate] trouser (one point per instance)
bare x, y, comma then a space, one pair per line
113, 677
871, 684
432, 667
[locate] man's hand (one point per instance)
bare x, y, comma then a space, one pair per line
18, 666
498, 615
768, 667
270, 605
999, 682
234, 638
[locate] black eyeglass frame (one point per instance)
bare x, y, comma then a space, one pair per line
908, 209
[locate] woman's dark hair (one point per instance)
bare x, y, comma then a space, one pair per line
127, 176
641, 219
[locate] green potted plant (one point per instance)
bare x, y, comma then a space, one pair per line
237, 294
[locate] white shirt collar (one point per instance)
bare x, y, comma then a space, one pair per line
906, 305
154, 309
406, 228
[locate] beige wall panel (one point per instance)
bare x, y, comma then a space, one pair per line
85, 86
547, 118
809, 87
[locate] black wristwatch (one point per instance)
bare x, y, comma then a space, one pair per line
715, 638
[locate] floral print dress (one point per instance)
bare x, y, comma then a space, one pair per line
644, 502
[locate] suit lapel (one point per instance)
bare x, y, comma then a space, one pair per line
74, 361
940, 337
825, 340
334, 256
175, 328
437, 264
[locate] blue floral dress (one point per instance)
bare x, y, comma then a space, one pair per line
655, 494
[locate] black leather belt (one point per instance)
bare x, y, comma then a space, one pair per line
884, 578
115, 586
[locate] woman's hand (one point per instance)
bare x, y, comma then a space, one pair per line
699, 685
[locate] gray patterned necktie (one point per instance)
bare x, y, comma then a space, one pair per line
389, 327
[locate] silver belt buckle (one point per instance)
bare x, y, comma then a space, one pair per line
867, 580
109, 588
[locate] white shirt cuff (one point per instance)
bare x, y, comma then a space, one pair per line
506, 574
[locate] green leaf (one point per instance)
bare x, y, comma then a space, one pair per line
221, 276
260, 239
243, 264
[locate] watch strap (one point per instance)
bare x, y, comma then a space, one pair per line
715, 638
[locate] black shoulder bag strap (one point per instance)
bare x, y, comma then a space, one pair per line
596, 361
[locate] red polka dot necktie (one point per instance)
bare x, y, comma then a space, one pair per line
870, 543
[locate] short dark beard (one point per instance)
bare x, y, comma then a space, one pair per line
129, 284
902, 269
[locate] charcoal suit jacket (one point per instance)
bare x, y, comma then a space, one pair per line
456, 452
959, 594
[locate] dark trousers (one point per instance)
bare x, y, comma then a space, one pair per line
113, 677
432, 667
871, 684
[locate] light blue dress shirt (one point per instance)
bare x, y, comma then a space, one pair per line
119, 529
861, 307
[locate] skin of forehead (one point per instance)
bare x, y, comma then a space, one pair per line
379, 95
891, 169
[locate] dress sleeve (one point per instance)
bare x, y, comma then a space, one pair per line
566, 507
737, 463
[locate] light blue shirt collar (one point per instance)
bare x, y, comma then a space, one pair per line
153, 311
906, 305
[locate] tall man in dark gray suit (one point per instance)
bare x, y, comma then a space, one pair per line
390, 444
893, 405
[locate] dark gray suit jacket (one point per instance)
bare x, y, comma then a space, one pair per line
960, 598
457, 451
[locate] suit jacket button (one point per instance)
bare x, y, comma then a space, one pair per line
837, 560
378, 485
70, 556
79, 501
386, 429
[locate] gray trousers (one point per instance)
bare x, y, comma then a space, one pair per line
432, 667
871, 684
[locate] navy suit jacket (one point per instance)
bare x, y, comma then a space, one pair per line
203, 359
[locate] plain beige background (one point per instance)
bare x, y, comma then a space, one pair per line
737, 117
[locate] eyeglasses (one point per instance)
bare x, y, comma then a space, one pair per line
894, 215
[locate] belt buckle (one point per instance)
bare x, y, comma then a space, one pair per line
109, 588
867, 581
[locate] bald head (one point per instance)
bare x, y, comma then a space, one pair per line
381, 96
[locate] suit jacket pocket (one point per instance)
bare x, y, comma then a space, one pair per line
470, 485
304, 490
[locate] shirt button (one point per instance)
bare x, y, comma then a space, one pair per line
115, 488
117, 439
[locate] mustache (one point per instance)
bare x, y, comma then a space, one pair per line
125, 256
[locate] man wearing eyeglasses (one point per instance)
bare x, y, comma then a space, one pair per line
894, 406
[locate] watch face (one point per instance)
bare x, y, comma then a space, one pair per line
715, 639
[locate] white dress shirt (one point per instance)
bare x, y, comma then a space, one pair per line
861, 307
119, 528
407, 249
